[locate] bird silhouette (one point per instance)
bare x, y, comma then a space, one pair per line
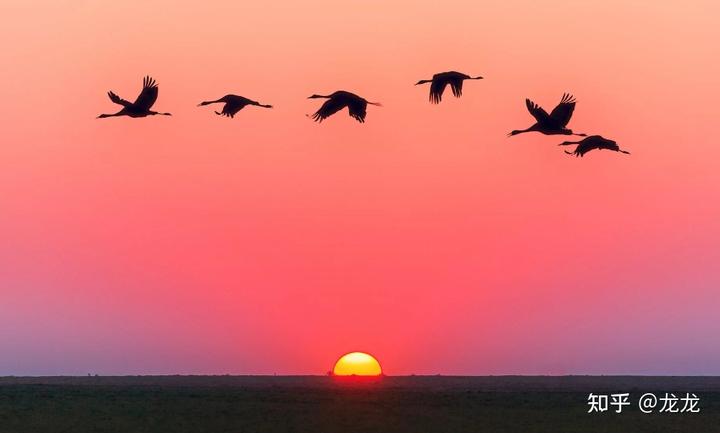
357, 106
141, 106
592, 142
554, 123
441, 80
233, 104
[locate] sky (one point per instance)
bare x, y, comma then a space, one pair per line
270, 244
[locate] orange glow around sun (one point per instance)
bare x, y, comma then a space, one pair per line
357, 364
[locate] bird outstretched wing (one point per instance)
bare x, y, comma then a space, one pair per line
118, 100
585, 147
537, 111
358, 110
227, 111
148, 95
231, 108
328, 108
456, 86
564, 111
577, 152
437, 87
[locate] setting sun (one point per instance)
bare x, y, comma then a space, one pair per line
357, 364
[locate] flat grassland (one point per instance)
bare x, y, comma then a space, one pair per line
235, 404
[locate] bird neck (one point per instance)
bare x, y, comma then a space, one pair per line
521, 131
103, 116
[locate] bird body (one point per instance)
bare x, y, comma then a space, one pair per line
233, 104
554, 123
141, 106
592, 142
336, 101
441, 80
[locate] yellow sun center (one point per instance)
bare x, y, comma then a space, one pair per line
357, 364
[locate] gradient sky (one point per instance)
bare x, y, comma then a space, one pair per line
271, 244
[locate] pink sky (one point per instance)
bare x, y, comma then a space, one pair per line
271, 244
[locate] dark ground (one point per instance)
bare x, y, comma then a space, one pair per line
215, 404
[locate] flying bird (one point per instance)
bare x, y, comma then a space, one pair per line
141, 106
441, 80
233, 104
357, 106
554, 123
592, 142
